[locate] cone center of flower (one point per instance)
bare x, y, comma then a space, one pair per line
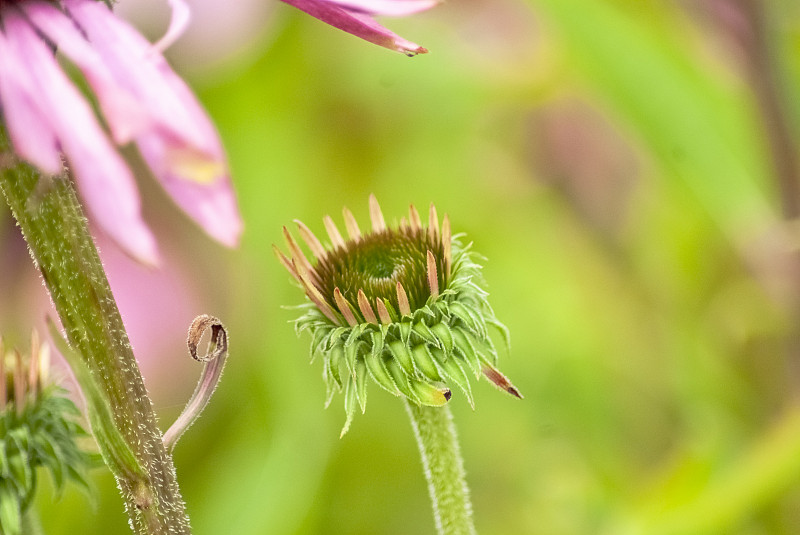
376, 263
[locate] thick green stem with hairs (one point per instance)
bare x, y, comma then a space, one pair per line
444, 468
51, 219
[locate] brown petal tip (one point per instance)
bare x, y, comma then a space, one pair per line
501, 381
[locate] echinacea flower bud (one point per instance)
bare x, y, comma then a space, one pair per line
37, 428
403, 305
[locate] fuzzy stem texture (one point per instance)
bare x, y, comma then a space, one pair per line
444, 468
50, 216
30, 522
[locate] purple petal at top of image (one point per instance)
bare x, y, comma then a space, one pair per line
356, 17
142, 101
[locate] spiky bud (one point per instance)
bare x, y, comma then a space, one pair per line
404, 306
38, 427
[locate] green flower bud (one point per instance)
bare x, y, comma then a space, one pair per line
404, 306
38, 428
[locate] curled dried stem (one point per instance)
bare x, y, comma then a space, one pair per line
214, 362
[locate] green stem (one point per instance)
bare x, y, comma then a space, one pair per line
30, 522
444, 468
49, 214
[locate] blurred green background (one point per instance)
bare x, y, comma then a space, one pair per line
619, 163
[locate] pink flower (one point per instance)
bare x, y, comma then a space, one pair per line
142, 101
355, 17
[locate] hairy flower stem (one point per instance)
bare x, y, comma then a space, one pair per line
30, 523
444, 468
49, 214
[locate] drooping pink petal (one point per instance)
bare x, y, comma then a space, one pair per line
135, 66
104, 180
179, 21
183, 150
358, 24
392, 8
30, 132
124, 115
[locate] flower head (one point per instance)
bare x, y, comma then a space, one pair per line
142, 101
356, 17
37, 428
403, 305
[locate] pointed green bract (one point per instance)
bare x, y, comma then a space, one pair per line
390, 322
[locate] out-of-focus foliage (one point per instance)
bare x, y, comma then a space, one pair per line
614, 160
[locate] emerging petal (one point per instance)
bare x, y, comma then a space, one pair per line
102, 176
354, 21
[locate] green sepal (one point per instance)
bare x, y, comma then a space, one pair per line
504, 332
335, 337
50, 452
361, 384
349, 405
403, 356
335, 360
351, 353
453, 370
377, 342
380, 375
475, 323
318, 337
460, 311
445, 336
427, 394
4, 469
426, 334
424, 362
402, 381
20, 463
10, 510
463, 345
330, 382
405, 330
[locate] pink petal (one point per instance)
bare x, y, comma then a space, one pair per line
181, 15
105, 182
137, 67
30, 131
183, 150
393, 8
124, 115
358, 24
212, 205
